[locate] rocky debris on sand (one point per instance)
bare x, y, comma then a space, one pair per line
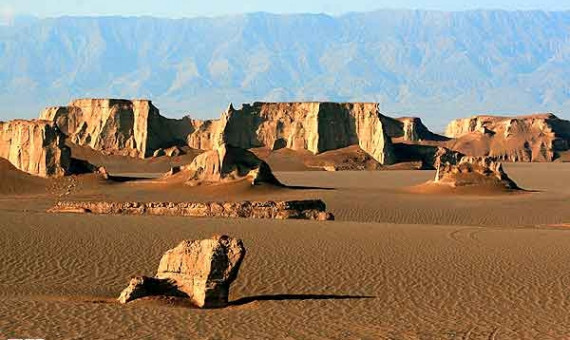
474, 171
304, 209
226, 164
200, 270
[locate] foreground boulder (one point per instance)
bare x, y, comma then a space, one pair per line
474, 171
227, 164
200, 270
35, 146
303, 209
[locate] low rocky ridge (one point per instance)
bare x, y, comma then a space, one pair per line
199, 270
226, 164
302, 209
533, 138
473, 172
35, 146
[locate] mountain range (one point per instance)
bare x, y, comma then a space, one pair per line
435, 65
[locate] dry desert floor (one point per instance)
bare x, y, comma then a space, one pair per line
395, 264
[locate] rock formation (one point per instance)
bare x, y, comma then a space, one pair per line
410, 130
306, 209
115, 126
534, 138
227, 164
35, 146
201, 270
316, 127
473, 171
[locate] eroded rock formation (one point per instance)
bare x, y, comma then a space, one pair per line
115, 126
304, 209
316, 127
536, 138
34, 146
201, 270
227, 164
410, 130
473, 171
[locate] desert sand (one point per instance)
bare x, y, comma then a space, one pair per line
394, 265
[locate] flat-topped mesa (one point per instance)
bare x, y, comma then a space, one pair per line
116, 126
474, 172
35, 146
316, 127
227, 164
536, 138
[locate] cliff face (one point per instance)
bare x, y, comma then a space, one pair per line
126, 127
36, 147
535, 138
316, 127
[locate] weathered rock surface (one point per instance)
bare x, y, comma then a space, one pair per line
226, 164
316, 127
536, 138
473, 171
410, 130
34, 146
201, 270
304, 209
116, 126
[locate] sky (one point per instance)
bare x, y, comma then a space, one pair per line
192, 8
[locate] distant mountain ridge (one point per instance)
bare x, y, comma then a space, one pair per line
436, 65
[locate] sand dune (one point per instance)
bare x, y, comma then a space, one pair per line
395, 264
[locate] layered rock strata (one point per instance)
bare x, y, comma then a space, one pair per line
34, 146
533, 138
200, 270
303, 209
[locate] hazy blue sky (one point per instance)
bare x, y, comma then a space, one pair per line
186, 8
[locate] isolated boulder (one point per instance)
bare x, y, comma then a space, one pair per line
201, 270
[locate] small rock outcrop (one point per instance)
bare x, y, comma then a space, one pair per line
533, 138
200, 270
34, 146
116, 126
281, 210
227, 164
474, 171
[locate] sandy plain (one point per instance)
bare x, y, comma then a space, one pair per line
394, 265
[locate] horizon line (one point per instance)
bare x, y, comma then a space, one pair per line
333, 15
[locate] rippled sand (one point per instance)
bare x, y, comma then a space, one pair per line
395, 265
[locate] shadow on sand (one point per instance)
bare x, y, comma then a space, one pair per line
297, 297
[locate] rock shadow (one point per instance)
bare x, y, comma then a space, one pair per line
296, 297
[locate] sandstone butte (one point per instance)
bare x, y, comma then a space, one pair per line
199, 270
136, 128
532, 138
35, 146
